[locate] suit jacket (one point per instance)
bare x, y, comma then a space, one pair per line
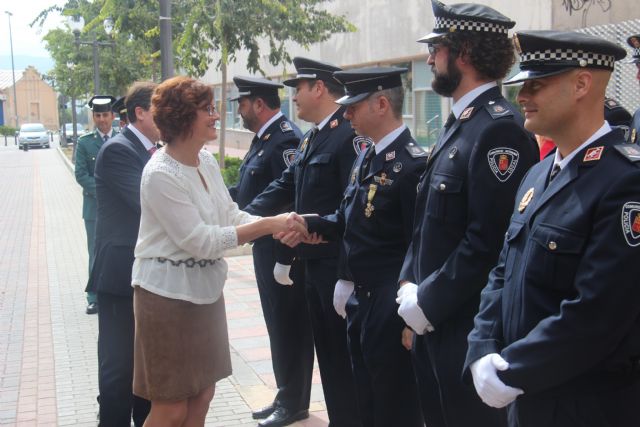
563, 304
463, 206
376, 224
86, 152
118, 173
315, 181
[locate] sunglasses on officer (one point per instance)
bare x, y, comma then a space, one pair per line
434, 48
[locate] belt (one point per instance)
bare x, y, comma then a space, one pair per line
190, 262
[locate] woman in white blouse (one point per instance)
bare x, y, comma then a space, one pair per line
188, 220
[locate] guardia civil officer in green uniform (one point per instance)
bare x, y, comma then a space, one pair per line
86, 152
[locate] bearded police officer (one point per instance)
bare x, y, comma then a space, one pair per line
284, 307
86, 152
557, 337
463, 206
315, 183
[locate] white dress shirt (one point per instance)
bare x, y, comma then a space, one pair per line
183, 221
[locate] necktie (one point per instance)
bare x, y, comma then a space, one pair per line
152, 150
450, 120
371, 151
105, 137
307, 148
553, 173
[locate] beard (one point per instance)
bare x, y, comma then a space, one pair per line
446, 84
249, 122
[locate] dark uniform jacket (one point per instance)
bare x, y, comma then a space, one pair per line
86, 152
315, 181
118, 173
563, 304
463, 206
635, 128
374, 245
266, 159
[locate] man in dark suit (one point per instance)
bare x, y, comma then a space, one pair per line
315, 183
118, 172
557, 338
284, 307
634, 42
463, 206
86, 152
375, 221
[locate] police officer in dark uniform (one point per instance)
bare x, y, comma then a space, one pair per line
557, 337
86, 152
284, 307
634, 42
315, 183
617, 116
463, 206
121, 110
375, 221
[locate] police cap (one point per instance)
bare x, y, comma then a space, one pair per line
309, 69
255, 86
360, 83
547, 53
119, 108
634, 42
101, 103
466, 17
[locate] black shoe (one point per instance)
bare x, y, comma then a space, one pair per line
92, 308
264, 412
283, 417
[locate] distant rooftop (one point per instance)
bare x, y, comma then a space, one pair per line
6, 78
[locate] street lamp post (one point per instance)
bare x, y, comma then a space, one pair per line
13, 70
77, 24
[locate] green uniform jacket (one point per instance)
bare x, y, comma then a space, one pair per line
86, 152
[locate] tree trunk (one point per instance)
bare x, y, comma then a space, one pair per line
223, 113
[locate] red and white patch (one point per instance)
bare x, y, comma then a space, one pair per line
360, 143
631, 223
390, 156
289, 156
594, 153
503, 162
333, 123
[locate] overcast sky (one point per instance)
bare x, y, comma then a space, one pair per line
26, 40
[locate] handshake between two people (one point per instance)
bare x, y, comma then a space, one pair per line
295, 231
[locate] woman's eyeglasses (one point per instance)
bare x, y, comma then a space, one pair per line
210, 109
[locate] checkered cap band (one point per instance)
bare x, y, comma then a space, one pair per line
450, 24
580, 57
636, 52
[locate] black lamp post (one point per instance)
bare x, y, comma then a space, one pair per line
77, 24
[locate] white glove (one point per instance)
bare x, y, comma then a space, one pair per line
410, 311
489, 387
281, 274
341, 294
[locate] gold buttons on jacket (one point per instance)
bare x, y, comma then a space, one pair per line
553, 245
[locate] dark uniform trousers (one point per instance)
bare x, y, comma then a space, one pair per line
562, 305
284, 307
375, 221
463, 205
314, 183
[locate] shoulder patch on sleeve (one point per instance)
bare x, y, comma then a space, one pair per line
289, 156
630, 151
360, 143
285, 126
415, 151
499, 108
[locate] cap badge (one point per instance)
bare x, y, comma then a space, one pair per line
503, 162
466, 113
594, 153
526, 199
453, 28
583, 63
390, 156
397, 167
631, 223
333, 123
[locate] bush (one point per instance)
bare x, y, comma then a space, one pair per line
231, 171
8, 131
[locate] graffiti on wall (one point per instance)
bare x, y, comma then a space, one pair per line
576, 6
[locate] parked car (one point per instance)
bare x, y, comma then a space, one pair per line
33, 135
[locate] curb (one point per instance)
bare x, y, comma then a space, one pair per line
66, 161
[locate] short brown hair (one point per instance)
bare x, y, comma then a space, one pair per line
138, 95
175, 104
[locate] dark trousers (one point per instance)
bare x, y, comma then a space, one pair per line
385, 383
330, 337
287, 318
115, 359
445, 350
90, 228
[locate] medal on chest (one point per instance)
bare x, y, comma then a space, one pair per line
368, 210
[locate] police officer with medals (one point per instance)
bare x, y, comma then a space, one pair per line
86, 152
634, 42
375, 221
315, 183
284, 307
463, 206
557, 337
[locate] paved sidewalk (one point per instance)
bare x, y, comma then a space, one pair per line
48, 361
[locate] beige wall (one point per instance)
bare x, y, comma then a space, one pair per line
587, 13
37, 101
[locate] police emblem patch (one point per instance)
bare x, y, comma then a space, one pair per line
360, 143
593, 153
285, 126
631, 223
289, 156
503, 162
390, 156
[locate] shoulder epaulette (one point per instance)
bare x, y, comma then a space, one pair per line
630, 151
611, 103
285, 126
499, 108
415, 150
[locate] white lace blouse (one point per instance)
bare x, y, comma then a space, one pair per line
184, 229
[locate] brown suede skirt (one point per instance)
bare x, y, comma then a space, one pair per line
180, 348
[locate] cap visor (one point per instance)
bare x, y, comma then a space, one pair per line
430, 38
632, 60
292, 82
530, 75
350, 100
